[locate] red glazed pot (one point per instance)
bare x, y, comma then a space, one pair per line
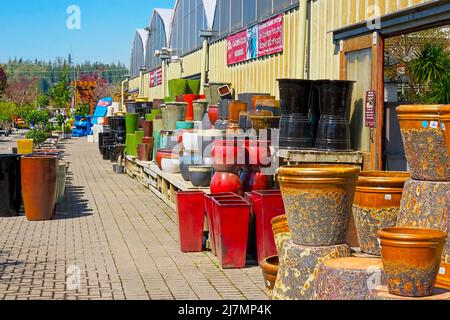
229, 155
259, 152
226, 182
213, 114
38, 174
161, 154
191, 213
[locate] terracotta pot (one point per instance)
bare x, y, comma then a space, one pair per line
411, 259
444, 118
173, 112
213, 114
10, 185
39, 175
309, 191
424, 142
377, 206
270, 272
235, 107
147, 127
224, 182
281, 232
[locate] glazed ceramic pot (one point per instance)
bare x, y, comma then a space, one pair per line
130, 144
281, 232
170, 165
153, 114
264, 123
168, 139
158, 125
132, 122
200, 109
138, 137
308, 191
223, 182
258, 100
235, 107
145, 152
39, 179
161, 154
271, 105
191, 141
147, 127
61, 182
259, 153
10, 185
25, 146
376, 206
213, 114
223, 109
334, 98
254, 180
185, 125
424, 142
295, 128
269, 268
117, 123
229, 155
173, 112
187, 160
411, 259
444, 118
200, 176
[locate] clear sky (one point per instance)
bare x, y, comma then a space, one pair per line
32, 29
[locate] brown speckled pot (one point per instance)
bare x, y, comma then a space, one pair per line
376, 206
270, 272
281, 232
444, 118
424, 142
411, 259
318, 201
348, 278
298, 269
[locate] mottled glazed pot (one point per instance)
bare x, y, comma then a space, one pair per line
411, 259
145, 152
281, 232
257, 100
318, 201
443, 280
424, 142
271, 105
10, 185
376, 206
147, 127
444, 118
350, 279
269, 268
39, 179
298, 269
235, 107
173, 112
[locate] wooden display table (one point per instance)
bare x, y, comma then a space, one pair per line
382, 293
314, 156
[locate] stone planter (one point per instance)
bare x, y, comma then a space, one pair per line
411, 259
298, 269
10, 185
424, 142
310, 191
173, 112
376, 206
39, 175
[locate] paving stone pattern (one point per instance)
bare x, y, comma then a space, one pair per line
111, 239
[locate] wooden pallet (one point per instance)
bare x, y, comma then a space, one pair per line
163, 185
313, 156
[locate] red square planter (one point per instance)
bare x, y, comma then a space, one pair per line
266, 205
233, 218
191, 219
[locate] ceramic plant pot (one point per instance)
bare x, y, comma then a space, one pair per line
158, 125
132, 122
25, 146
377, 206
281, 232
309, 191
223, 182
264, 123
10, 185
189, 99
254, 180
229, 155
161, 154
411, 259
191, 216
170, 165
334, 98
258, 100
147, 127
138, 137
295, 128
185, 125
39, 179
130, 144
200, 176
177, 87
144, 150
168, 139
235, 107
186, 161
444, 118
61, 183
269, 268
213, 114
271, 105
424, 142
200, 107
173, 112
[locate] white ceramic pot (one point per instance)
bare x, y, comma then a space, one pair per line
170, 165
191, 141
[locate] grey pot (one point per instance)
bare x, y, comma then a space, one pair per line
173, 112
200, 176
200, 107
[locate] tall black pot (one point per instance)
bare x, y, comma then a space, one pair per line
10, 185
334, 98
296, 130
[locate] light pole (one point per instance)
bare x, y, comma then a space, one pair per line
205, 35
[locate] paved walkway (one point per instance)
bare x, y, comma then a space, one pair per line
111, 239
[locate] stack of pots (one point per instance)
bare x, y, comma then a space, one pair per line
132, 124
318, 201
145, 149
425, 205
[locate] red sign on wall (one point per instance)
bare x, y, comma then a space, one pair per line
371, 107
270, 38
237, 48
156, 78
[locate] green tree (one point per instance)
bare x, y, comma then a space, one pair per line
60, 93
431, 65
43, 101
3, 80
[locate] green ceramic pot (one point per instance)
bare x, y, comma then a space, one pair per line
132, 122
173, 112
130, 144
193, 86
200, 107
177, 87
138, 137
151, 116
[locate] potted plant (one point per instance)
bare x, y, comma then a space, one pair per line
67, 131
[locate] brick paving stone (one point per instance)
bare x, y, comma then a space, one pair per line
111, 239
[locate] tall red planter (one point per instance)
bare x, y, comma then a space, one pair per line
191, 218
38, 175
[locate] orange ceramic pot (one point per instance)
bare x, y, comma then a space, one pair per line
444, 118
38, 173
235, 107
376, 206
270, 272
281, 232
424, 142
255, 100
411, 259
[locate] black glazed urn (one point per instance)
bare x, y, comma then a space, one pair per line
10, 185
334, 98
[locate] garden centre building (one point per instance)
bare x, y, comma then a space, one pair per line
252, 43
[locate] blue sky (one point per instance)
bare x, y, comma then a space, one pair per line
32, 29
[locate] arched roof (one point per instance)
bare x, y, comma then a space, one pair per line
166, 16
